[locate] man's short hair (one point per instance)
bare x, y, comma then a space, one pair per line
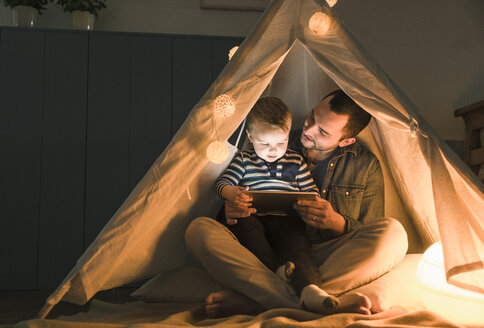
271, 111
342, 104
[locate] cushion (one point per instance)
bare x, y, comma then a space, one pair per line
395, 288
187, 284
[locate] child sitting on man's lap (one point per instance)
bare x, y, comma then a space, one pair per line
280, 242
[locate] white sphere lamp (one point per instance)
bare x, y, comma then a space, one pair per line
217, 152
319, 23
224, 106
450, 302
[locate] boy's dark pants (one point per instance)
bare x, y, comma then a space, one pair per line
276, 240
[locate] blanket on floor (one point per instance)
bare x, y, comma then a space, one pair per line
140, 315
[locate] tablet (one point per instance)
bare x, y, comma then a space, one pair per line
277, 202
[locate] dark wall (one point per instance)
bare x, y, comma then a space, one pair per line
83, 115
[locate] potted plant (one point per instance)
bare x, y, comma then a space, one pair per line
83, 12
25, 12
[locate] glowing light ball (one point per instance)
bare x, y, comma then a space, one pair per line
224, 106
217, 152
451, 302
331, 3
319, 23
233, 51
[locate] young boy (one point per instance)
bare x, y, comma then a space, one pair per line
280, 242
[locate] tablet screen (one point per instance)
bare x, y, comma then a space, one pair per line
277, 202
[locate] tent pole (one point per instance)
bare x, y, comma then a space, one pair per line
55, 298
45, 310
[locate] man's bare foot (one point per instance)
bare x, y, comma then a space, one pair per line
354, 303
317, 300
228, 302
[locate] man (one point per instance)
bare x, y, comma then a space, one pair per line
351, 241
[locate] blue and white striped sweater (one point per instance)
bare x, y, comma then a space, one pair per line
289, 173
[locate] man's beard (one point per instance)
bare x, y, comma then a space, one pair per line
314, 146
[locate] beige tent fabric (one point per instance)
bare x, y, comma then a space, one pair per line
442, 199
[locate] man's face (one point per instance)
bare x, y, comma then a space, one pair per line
323, 129
269, 143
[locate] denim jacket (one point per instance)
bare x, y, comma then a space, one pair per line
353, 184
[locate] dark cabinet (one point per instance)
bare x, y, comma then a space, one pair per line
21, 114
62, 184
83, 115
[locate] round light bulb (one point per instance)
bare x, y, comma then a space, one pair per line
451, 302
224, 106
319, 23
233, 51
331, 3
217, 152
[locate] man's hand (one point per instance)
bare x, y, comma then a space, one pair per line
237, 204
232, 213
320, 214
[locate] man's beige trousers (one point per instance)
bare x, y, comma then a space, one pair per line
346, 262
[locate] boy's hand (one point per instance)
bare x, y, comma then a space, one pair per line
237, 196
237, 203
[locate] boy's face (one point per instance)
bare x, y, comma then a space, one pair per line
269, 143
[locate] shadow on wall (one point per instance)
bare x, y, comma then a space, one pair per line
471, 96
473, 93
456, 145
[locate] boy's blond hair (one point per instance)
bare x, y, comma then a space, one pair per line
270, 111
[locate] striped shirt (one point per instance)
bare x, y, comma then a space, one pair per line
289, 173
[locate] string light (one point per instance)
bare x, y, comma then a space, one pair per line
224, 106
319, 23
233, 51
217, 152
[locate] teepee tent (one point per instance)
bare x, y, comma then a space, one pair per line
299, 51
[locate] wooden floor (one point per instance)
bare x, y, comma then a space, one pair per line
16, 306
